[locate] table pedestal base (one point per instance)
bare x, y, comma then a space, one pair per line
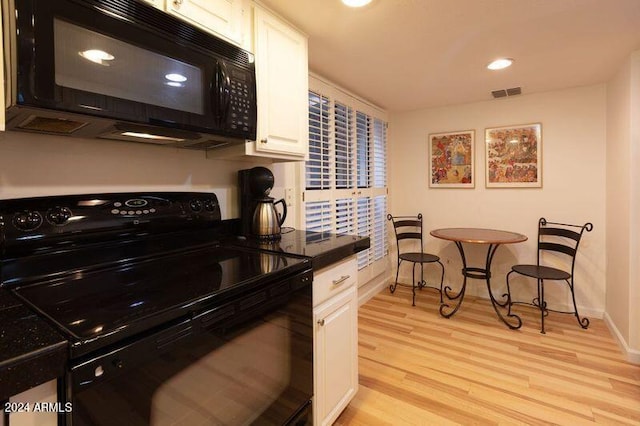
478, 274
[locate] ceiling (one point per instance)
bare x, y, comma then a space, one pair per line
411, 54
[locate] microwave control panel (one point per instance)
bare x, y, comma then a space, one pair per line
243, 100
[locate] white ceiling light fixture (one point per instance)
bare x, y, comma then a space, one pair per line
499, 64
356, 3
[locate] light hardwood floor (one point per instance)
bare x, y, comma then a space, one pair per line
417, 368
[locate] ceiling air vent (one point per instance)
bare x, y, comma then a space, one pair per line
506, 92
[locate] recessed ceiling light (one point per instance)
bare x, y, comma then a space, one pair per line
356, 3
501, 63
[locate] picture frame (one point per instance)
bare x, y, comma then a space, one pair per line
513, 156
451, 159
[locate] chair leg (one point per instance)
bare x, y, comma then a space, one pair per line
441, 280
508, 295
543, 304
392, 288
583, 322
413, 285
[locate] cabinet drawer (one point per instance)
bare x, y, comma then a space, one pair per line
333, 279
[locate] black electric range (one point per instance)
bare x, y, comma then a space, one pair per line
112, 271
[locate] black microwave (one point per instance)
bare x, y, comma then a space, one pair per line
122, 69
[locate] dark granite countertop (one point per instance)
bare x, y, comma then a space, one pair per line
31, 351
323, 248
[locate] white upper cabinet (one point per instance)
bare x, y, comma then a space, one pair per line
282, 83
282, 80
222, 17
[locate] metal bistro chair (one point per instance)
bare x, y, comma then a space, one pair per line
410, 228
559, 238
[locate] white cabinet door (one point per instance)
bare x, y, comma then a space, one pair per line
283, 82
335, 356
223, 17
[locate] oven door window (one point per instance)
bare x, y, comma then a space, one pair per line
260, 372
95, 63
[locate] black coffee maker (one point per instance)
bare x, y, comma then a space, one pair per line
258, 216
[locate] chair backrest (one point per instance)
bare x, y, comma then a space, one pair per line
561, 238
407, 228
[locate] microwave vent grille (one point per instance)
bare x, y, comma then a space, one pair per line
172, 27
60, 126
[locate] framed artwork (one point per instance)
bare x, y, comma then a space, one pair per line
514, 156
451, 156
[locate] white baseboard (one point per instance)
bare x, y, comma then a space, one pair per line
632, 355
371, 288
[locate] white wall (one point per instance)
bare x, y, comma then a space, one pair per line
34, 165
634, 231
573, 191
623, 206
618, 190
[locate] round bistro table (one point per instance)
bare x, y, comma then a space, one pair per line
493, 238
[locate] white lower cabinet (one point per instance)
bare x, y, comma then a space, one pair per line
335, 314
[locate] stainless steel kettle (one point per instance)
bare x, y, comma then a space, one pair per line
266, 224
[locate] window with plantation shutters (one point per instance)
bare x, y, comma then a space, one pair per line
346, 174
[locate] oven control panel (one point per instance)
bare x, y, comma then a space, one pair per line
27, 220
